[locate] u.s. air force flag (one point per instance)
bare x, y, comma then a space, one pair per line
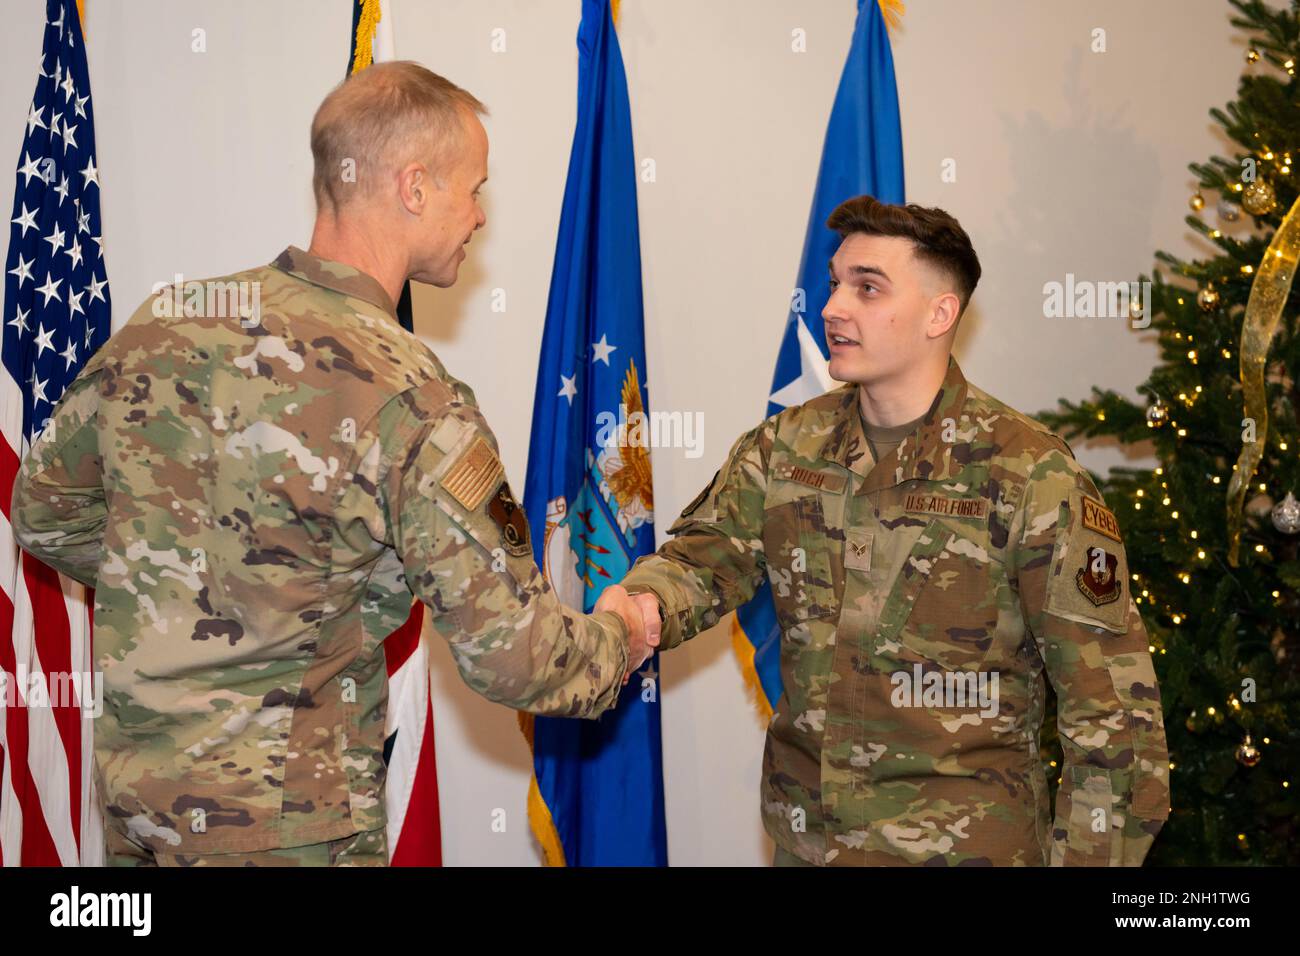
597, 796
863, 154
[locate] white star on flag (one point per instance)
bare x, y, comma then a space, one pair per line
814, 373
44, 339
603, 348
23, 270
25, 219
569, 388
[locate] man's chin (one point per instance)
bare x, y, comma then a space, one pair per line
843, 371
444, 280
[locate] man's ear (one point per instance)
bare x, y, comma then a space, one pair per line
945, 310
413, 187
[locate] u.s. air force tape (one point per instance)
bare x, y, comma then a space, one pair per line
475, 475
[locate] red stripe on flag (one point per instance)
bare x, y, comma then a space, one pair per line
54, 652
402, 643
38, 847
421, 841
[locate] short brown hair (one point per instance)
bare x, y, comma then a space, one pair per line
937, 238
381, 117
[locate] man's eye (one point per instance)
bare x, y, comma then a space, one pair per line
834, 285
868, 285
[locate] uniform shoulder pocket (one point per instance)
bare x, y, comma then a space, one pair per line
1089, 573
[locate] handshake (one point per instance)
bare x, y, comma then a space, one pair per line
640, 612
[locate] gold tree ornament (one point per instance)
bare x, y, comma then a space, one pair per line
1157, 414
1259, 199
1197, 202
1208, 298
1252, 55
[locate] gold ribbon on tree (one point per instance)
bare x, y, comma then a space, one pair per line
1268, 295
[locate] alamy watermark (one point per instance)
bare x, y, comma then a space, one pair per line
948, 689
208, 299
651, 430
1086, 299
60, 689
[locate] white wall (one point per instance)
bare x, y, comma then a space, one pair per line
1067, 160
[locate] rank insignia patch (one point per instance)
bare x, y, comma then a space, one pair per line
510, 518
1097, 517
857, 551
1097, 579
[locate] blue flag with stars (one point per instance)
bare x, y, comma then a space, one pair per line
598, 788
56, 307
862, 155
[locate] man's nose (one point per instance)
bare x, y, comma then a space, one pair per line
832, 311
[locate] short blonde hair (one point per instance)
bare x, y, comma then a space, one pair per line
379, 119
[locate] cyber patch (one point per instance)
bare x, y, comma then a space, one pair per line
474, 474
510, 518
1097, 580
1097, 517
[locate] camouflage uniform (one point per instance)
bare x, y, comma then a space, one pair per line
254, 507
360, 849
977, 548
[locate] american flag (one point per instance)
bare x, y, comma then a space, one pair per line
411, 790
56, 313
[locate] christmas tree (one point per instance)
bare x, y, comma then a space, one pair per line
1211, 532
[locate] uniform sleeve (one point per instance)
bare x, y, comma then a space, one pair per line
465, 548
58, 510
1073, 579
714, 561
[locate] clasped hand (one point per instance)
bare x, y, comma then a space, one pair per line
640, 612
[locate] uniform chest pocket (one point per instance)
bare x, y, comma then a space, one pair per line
798, 546
946, 602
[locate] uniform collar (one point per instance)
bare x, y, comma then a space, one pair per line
334, 276
923, 454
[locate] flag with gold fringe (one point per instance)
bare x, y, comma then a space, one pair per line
597, 794
862, 154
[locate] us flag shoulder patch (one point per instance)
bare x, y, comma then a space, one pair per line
475, 474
